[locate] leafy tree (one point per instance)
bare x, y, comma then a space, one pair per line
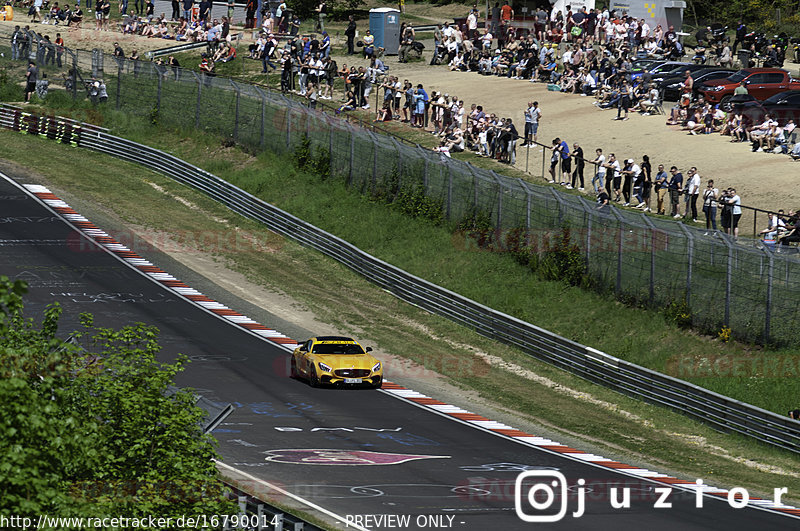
94, 432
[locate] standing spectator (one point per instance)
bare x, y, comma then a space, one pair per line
506, 13
741, 31
600, 173
322, 14
532, 116
250, 14
624, 100
31, 76
205, 11
613, 181
36, 16
577, 154
511, 146
675, 189
647, 182
662, 187
630, 172
736, 211
230, 5
566, 162
15, 42
710, 195
495, 25
350, 32
693, 192
187, 9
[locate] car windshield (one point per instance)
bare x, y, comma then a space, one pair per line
777, 98
666, 68
738, 76
337, 348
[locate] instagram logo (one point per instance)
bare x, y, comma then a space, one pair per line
541, 488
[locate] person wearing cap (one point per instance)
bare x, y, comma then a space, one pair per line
31, 76
628, 173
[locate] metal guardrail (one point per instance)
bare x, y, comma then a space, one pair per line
261, 516
718, 411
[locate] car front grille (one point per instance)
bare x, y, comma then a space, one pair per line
352, 373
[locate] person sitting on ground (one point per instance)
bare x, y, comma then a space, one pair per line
650, 99
349, 102
762, 132
384, 114
680, 112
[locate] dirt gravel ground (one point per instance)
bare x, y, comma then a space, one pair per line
762, 180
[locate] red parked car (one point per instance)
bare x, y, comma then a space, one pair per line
761, 84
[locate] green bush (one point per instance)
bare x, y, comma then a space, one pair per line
562, 260
678, 313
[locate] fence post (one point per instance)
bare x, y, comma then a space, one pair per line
158, 92
560, 206
374, 162
728, 280
653, 230
528, 196
197, 104
330, 147
500, 190
236, 111
620, 246
119, 83
768, 309
263, 138
352, 156
425, 174
289, 127
689, 263
449, 191
589, 213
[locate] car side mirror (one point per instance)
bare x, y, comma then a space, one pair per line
369, 349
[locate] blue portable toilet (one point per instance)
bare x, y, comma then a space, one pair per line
384, 24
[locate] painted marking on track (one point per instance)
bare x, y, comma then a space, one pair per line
336, 457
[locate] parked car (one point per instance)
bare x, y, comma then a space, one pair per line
761, 84
782, 107
672, 85
659, 67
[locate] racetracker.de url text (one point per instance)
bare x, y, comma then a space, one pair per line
201, 521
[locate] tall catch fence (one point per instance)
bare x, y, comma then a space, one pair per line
641, 258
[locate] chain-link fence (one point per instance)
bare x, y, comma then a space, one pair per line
641, 258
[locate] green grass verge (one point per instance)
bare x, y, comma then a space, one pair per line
601, 419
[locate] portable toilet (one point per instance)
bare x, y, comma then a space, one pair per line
384, 24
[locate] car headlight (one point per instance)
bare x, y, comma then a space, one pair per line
376, 367
674, 85
718, 88
326, 368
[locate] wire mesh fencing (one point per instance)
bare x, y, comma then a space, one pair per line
715, 281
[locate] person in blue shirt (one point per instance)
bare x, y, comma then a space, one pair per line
566, 161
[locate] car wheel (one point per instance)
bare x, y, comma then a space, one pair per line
313, 379
378, 385
293, 368
725, 104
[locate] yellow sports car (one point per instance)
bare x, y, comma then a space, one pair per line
336, 360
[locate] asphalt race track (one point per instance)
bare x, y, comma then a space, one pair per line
354, 452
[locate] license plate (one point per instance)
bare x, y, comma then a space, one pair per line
353, 380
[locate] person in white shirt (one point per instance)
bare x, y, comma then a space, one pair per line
600, 174
486, 39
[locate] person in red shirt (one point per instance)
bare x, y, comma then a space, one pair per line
506, 13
